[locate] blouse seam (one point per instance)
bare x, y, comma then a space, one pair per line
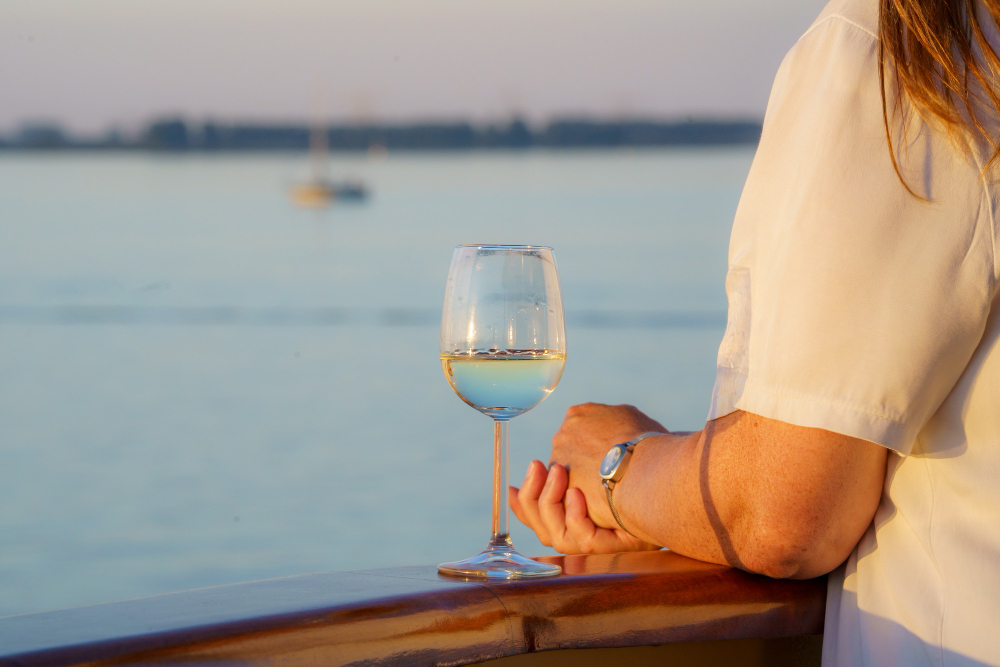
844, 19
933, 554
988, 204
928, 549
884, 414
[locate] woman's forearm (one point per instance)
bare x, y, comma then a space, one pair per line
757, 494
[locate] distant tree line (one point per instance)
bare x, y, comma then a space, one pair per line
177, 135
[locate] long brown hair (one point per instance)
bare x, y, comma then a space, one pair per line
941, 61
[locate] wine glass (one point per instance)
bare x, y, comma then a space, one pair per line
503, 347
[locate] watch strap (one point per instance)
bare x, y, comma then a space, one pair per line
611, 504
635, 441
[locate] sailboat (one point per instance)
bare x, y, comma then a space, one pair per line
319, 191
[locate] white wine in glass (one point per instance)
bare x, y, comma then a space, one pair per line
503, 347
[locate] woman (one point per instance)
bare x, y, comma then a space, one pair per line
854, 425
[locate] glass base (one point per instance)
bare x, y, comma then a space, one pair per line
499, 561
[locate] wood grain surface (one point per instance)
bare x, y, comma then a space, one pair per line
414, 616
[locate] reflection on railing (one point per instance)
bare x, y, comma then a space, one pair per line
331, 316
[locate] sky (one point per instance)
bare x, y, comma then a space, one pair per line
93, 64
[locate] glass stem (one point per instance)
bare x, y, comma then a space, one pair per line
501, 510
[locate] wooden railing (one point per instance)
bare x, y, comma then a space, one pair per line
413, 616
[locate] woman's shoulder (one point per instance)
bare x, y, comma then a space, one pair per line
837, 54
862, 15
835, 57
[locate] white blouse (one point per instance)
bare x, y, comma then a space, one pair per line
858, 308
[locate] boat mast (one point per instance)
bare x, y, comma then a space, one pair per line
319, 142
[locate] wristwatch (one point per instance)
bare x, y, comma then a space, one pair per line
613, 467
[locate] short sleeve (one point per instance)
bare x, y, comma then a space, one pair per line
853, 305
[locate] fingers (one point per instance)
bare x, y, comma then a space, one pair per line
524, 501
578, 523
539, 505
558, 514
553, 512
583, 531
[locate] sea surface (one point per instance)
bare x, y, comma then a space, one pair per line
201, 384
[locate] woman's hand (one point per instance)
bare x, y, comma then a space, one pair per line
587, 432
567, 505
559, 515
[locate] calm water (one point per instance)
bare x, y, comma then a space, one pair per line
200, 384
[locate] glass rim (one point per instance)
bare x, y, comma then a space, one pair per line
500, 246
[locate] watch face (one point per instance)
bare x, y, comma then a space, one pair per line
611, 460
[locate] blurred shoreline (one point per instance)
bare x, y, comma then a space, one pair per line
179, 135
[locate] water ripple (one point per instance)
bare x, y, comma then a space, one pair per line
71, 315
